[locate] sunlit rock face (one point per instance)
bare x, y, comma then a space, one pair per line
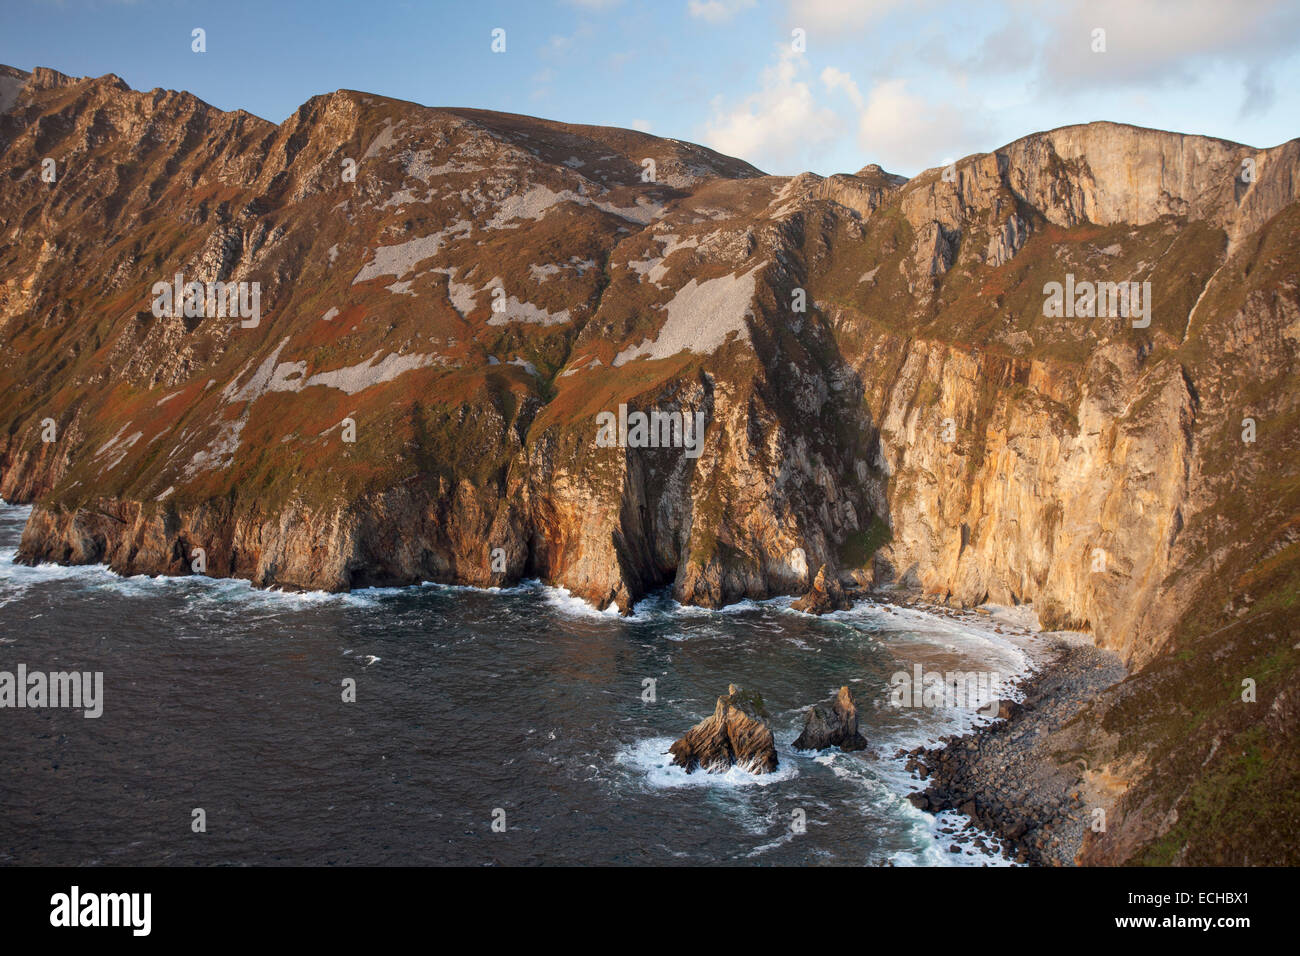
736, 734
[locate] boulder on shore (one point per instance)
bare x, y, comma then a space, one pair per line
825, 595
736, 734
832, 724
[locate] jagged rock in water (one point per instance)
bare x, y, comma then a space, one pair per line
737, 734
824, 596
832, 724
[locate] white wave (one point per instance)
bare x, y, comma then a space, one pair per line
905, 625
1021, 615
781, 603
493, 589
565, 601
22, 574
885, 783
787, 837
926, 829
660, 605
102, 577
650, 760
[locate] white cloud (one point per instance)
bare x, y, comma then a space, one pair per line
779, 127
933, 80
717, 11
1161, 41
834, 16
906, 133
1259, 93
1151, 46
643, 125
560, 46
839, 80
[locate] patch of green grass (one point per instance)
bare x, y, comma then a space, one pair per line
858, 548
1230, 800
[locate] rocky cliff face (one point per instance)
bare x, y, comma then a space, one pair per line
455, 305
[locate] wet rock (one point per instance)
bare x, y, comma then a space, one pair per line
824, 596
832, 724
736, 734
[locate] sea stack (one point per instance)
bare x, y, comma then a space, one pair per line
832, 724
824, 596
736, 734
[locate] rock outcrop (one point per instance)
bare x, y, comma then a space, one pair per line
736, 734
825, 595
832, 724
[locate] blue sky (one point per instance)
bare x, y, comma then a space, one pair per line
908, 84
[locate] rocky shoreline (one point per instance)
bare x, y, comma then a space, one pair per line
1008, 777
1012, 779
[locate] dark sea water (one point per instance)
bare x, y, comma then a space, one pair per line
221, 697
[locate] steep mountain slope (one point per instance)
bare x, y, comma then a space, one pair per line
884, 392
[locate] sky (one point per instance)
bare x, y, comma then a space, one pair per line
908, 84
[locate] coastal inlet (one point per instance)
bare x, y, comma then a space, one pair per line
222, 697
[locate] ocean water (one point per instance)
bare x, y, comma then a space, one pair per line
521, 705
